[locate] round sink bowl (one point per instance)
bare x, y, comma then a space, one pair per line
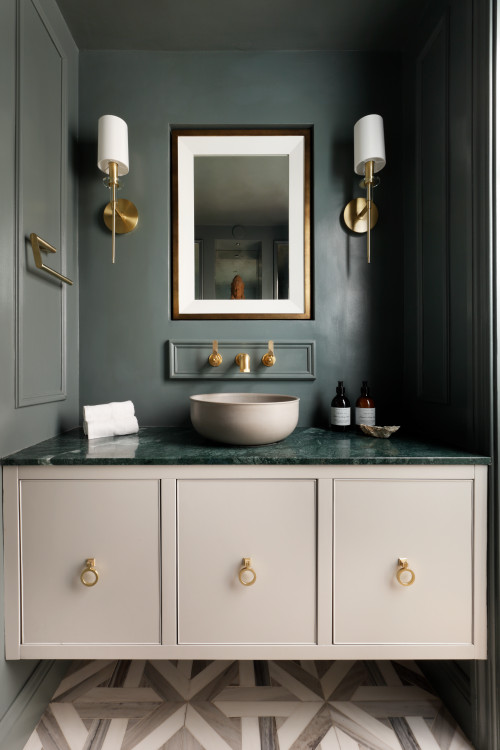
244, 418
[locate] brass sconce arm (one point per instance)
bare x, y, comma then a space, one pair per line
361, 214
368, 184
113, 184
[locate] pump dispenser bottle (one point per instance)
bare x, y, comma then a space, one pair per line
340, 419
365, 406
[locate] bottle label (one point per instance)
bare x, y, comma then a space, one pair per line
341, 416
365, 416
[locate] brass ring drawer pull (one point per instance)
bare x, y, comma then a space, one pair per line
89, 570
243, 574
403, 572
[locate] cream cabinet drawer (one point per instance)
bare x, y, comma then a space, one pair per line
65, 522
221, 522
428, 522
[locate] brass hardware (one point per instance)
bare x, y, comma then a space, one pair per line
268, 360
126, 219
361, 214
356, 215
89, 568
247, 568
38, 244
243, 361
403, 568
215, 359
119, 216
113, 184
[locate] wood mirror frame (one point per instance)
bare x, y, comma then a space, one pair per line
295, 143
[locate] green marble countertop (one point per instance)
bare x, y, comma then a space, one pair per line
174, 446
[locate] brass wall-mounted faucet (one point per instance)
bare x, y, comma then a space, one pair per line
243, 361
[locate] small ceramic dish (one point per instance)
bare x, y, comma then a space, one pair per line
379, 432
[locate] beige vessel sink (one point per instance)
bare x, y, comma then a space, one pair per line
244, 418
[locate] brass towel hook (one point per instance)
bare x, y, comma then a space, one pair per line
38, 244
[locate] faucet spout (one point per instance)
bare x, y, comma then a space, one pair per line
243, 361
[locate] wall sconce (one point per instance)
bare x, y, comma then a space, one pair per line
112, 158
361, 214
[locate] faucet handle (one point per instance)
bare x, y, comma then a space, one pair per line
268, 360
215, 359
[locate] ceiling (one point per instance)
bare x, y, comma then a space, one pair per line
241, 24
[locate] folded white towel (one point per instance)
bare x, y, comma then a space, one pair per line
116, 410
109, 428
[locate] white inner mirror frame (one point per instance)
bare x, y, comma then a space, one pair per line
293, 146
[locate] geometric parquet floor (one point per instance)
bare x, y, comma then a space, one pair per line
245, 705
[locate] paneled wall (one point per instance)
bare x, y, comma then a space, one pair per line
448, 377
39, 317
42, 166
125, 322
439, 262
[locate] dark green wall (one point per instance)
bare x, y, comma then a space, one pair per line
21, 683
448, 285
125, 310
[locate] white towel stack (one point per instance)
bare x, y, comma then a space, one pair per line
106, 420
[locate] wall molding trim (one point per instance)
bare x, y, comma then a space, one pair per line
433, 257
24, 713
188, 360
486, 331
23, 263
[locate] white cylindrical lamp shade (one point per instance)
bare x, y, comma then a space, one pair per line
112, 143
369, 143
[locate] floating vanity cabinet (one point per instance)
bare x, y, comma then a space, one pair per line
427, 524
111, 558
112, 524
272, 525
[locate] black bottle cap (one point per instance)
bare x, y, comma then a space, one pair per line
340, 388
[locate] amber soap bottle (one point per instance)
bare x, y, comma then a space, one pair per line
340, 419
365, 406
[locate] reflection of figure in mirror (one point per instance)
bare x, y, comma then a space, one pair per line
241, 217
237, 288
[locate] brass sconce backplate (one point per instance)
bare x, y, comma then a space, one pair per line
355, 215
127, 216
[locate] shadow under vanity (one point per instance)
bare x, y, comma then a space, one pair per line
144, 546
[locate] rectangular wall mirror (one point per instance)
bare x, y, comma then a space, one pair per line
241, 223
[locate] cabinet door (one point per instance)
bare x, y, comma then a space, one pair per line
66, 522
427, 522
221, 522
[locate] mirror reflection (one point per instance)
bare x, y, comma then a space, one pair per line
241, 227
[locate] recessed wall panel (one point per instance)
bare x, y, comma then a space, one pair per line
433, 217
41, 169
